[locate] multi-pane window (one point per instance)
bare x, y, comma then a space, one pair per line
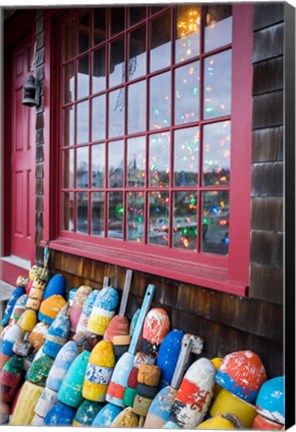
146, 126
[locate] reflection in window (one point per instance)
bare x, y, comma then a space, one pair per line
69, 40
215, 222
117, 20
98, 166
216, 154
69, 83
99, 118
68, 171
82, 212
136, 161
99, 25
188, 32
97, 213
185, 220
99, 71
217, 86
218, 29
158, 218
68, 126
116, 164
160, 42
83, 32
137, 107
137, 53
117, 72
187, 93
159, 160
82, 122
186, 156
68, 205
115, 214
135, 216
83, 77
82, 167
116, 113
136, 14
160, 101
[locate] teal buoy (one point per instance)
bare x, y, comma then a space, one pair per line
86, 413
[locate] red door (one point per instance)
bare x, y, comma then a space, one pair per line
22, 156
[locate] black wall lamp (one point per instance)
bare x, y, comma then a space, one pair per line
31, 90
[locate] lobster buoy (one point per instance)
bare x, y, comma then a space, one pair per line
36, 294
262, 423
270, 402
86, 311
24, 409
13, 334
4, 412
11, 377
99, 371
168, 355
19, 309
60, 415
61, 365
194, 395
106, 415
126, 419
86, 413
47, 400
70, 391
16, 294
103, 310
50, 308
40, 369
217, 362
38, 335
78, 303
56, 286
224, 422
57, 334
35, 272
156, 327
27, 321
242, 373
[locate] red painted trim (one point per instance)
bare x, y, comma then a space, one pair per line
241, 136
10, 272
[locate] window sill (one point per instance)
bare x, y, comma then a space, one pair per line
202, 275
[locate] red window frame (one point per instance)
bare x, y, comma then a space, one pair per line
225, 273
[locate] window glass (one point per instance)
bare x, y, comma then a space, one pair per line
117, 20
83, 78
218, 29
117, 72
186, 156
137, 53
116, 164
98, 166
187, 95
82, 212
82, 167
136, 14
82, 122
99, 71
215, 222
68, 126
115, 215
136, 162
185, 220
216, 154
135, 216
68, 206
217, 90
69, 40
116, 113
69, 83
160, 101
99, 118
188, 32
68, 156
160, 42
97, 213
158, 218
159, 160
137, 107
83, 33
99, 25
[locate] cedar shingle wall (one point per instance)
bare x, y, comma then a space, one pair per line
266, 272
227, 323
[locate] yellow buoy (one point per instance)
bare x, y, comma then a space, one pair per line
217, 362
126, 419
24, 410
27, 320
222, 422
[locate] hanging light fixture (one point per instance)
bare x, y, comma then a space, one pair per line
31, 90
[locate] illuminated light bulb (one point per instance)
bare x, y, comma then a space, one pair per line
208, 88
226, 153
195, 91
188, 51
222, 106
191, 70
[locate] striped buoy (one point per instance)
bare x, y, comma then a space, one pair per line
70, 391
13, 334
57, 335
24, 410
19, 309
262, 423
11, 377
36, 294
79, 300
50, 308
168, 355
194, 395
56, 285
38, 335
99, 371
103, 310
242, 373
106, 415
34, 272
86, 413
16, 294
60, 415
47, 400
270, 402
71, 295
60, 367
156, 327
226, 402
86, 311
